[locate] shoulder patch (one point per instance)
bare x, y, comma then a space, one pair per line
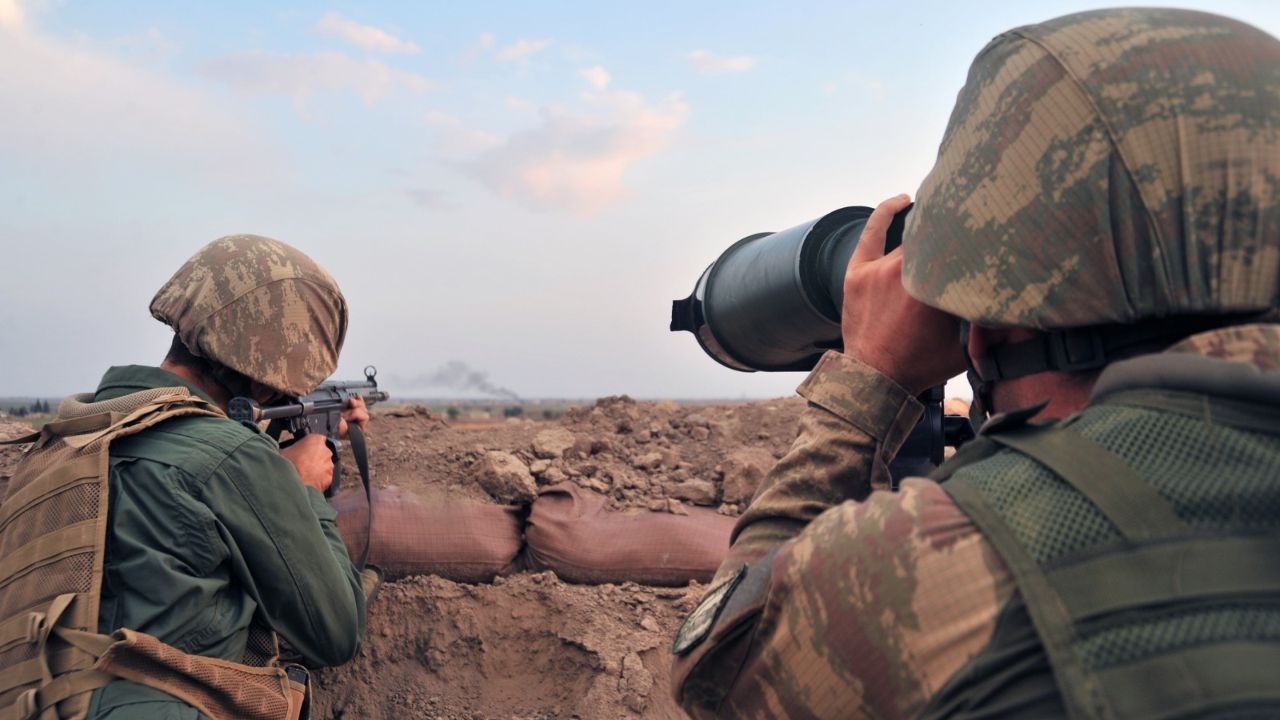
697, 626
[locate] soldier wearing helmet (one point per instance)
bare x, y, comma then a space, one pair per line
177, 544
1102, 230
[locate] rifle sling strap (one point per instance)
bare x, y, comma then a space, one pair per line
359, 449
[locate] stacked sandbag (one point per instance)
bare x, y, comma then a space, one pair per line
458, 540
570, 532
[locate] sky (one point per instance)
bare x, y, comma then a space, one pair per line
510, 194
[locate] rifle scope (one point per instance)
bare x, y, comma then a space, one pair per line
772, 300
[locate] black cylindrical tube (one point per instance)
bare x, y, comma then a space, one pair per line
772, 301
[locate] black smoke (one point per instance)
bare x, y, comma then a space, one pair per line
457, 375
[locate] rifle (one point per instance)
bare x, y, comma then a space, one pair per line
321, 412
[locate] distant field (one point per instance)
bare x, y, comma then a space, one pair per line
478, 411
487, 410
29, 409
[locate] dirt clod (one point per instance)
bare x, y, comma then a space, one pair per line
698, 492
743, 471
552, 443
506, 478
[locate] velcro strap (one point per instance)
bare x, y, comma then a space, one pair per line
72, 539
31, 671
1196, 568
78, 471
1065, 351
33, 702
96, 644
1089, 348
1195, 681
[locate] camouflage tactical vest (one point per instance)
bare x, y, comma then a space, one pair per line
53, 526
1144, 536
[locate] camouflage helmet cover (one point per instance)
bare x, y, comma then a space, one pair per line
259, 307
1106, 167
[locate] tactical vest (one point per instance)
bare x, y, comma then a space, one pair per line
1144, 538
53, 526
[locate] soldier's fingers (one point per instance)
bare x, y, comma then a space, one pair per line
357, 415
312, 439
874, 233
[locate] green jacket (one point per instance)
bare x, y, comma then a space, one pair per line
211, 528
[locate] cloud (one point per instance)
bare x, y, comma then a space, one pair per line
78, 107
710, 64
597, 76
11, 16
460, 140
365, 36
521, 50
258, 72
482, 45
576, 161
151, 45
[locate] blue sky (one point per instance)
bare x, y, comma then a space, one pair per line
520, 187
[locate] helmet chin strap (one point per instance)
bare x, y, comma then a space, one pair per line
1076, 350
980, 406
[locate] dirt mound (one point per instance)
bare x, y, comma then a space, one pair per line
657, 456
9, 454
529, 645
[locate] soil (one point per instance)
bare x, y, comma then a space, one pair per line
640, 454
526, 646
530, 646
9, 454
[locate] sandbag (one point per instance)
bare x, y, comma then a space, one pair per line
570, 532
458, 540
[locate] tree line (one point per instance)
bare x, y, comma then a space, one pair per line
39, 407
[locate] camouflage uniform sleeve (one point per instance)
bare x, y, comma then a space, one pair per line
867, 613
856, 420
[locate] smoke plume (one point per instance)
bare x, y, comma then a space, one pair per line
457, 375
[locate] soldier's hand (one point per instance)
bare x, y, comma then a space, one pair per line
313, 460
915, 345
357, 413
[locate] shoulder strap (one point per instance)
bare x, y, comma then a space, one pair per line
1137, 510
1249, 416
1162, 564
22, 439
1049, 615
974, 451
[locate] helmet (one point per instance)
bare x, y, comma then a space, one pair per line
1107, 167
259, 307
